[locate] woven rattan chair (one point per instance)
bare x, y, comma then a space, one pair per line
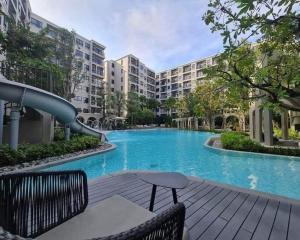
36, 204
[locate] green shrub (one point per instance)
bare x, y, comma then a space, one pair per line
59, 134
31, 152
241, 142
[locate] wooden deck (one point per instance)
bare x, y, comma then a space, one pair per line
213, 211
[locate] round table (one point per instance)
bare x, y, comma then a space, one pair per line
171, 180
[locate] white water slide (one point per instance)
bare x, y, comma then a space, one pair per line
33, 97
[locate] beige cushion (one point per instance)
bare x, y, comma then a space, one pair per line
110, 216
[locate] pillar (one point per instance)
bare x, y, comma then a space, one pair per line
284, 124
1, 120
196, 123
67, 132
268, 127
258, 124
14, 128
251, 123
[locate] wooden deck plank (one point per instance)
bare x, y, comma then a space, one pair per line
238, 218
212, 212
205, 226
294, 224
266, 222
255, 215
281, 224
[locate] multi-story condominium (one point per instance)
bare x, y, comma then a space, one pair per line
18, 10
129, 74
181, 80
114, 81
88, 95
138, 77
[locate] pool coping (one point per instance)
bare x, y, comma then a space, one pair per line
216, 149
64, 160
276, 197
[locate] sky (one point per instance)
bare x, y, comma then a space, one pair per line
161, 33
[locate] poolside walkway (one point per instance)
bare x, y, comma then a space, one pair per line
213, 211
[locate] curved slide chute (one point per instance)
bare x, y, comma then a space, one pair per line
33, 97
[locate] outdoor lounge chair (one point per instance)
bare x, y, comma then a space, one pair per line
52, 205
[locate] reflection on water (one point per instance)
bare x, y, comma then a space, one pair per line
253, 181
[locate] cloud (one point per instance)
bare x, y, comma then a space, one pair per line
162, 33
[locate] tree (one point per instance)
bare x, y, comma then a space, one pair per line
152, 104
26, 52
269, 70
181, 108
63, 41
133, 106
210, 100
169, 104
191, 101
118, 102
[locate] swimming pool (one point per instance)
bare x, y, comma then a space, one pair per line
184, 151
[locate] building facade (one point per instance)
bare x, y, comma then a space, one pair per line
181, 80
88, 94
129, 74
17, 10
138, 77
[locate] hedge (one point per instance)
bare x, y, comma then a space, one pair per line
241, 142
28, 153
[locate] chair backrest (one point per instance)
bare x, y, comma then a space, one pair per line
33, 203
167, 225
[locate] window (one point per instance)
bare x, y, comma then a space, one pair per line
121, 88
78, 53
87, 45
36, 23
99, 70
97, 59
97, 49
85, 110
87, 68
86, 100
78, 98
112, 65
113, 73
112, 89
87, 57
121, 79
113, 81
87, 89
94, 68
79, 42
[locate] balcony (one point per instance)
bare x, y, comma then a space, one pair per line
186, 77
174, 72
187, 68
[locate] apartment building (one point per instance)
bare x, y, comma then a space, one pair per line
88, 97
129, 74
138, 77
181, 80
18, 10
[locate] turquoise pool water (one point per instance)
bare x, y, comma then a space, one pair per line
183, 151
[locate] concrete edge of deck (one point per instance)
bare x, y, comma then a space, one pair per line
65, 160
208, 145
217, 184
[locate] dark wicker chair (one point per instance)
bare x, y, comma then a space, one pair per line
33, 203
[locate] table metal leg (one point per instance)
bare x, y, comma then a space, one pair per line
174, 195
152, 198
